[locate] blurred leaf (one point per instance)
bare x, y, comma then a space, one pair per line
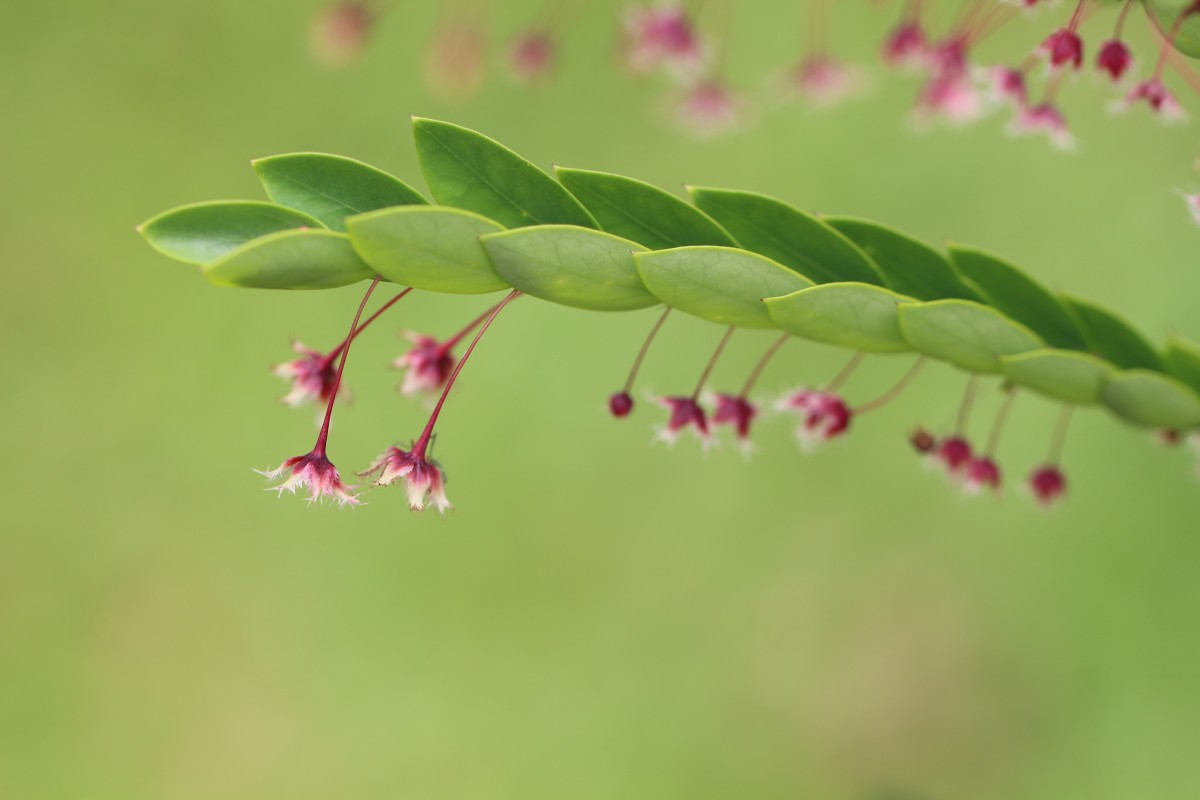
1019, 296
1183, 361
291, 260
788, 235
967, 334
573, 266
718, 284
427, 247
1152, 400
468, 170
909, 266
1066, 375
642, 213
854, 315
203, 232
1166, 13
331, 188
1111, 337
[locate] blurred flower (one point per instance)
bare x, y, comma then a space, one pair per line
1063, 48
1044, 119
981, 473
428, 364
826, 415
315, 472
424, 481
662, 35
824, 81
620, 404
1193, 206
1155, 94
312, 375
736, 411
922, 441
1008, 86
1114, 58
532, 56
685, 413
906, 46
710, 109
955, 452
455, 59
1048, 484
339, 32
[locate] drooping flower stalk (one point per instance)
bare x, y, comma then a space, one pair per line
621, 403
1047, 481
430, 362
736, 409
895, 391
982, 471
686, 412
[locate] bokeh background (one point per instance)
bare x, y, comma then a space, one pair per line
599, 617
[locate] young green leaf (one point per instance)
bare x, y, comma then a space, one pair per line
331, 188
1066, 375
431, 248
1111, 337
642, 213
1019, 296
787, 235
909, 266
203, 232
969, 335
1152, 400
719, 284
468, 170
1183, 361
569, 265
291, 260
854, 315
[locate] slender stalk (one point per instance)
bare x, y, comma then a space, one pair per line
641, 356
845, 374
335, 352
1059, 438
712, 362
422, 443
1010, 395
450, 343
894, 392
757, 372
323, 436
964, 408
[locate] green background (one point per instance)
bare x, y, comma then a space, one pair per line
599, 617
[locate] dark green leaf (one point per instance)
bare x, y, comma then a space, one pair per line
718, 284
1066, 375
1111, 337
573, 266
910, 267
967, 334
427, 247
291, 260
331, 188
854, 315
1019, 296
642, 213
1152, 400
788, 235
203, 232
468, 170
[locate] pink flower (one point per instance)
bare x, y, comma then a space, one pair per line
981, 473
1046, 120
906, 46
313, 376
1008, 86
424, 481
685, 413
1193, 206
429, 364
620, 404
315, 472
1062, 48
1048, 484
455, 59
662, 36
826, 415
710, 109
955, 452
1157, 96
340, 32
736, 411
824, 81
950, 96
1114, 58
532, 56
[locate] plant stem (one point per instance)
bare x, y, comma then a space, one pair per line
323, 436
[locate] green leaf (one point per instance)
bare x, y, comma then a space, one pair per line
331, 188
1183, 361
1166, 13
1065, 375
718, 284
427, 247
1019, 296
291, 260
641, 212
909, 266
203, 232
778, 231
967, 334
468, 170
854, 315
1152, 400
573, 266
1111, 337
